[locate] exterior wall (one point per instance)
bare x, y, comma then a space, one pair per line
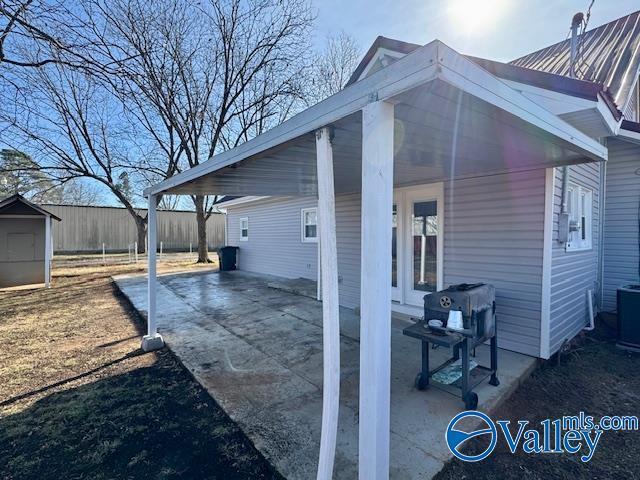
493, 232
84, 229
573, 273
30, 267
622, 201
275, 242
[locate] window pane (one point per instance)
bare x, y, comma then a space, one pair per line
310, 231
310, 217
425, 246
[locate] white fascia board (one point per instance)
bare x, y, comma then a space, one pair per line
556, 102
469, 77
434, 60
629, 135
609, 119
239, 201
562, 103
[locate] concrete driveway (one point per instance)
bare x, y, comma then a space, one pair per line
258, 351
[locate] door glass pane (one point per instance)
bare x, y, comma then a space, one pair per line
425, 245
394, 248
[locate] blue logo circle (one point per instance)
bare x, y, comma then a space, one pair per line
456, 437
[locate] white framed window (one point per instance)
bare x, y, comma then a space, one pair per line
580, 208
309, 224
244, 229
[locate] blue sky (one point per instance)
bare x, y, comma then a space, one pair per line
506, 29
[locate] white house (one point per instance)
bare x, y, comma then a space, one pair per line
432, 168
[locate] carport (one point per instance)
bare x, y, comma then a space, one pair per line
26, 247
431, 116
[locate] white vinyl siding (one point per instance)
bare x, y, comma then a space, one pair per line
622, 204
274, 245
573, 272
494, 233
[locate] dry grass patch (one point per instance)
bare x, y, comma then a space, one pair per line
78, 399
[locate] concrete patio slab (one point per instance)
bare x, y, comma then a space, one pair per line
258, 351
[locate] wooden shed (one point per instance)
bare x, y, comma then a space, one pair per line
25, 243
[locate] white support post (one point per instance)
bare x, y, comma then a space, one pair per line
152, 341
47, 252
375, 296
104, 258
160, 250
135, 250
330, 307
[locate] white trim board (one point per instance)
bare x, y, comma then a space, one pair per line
240, 201
547, 256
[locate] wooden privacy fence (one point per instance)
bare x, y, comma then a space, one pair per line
86, 229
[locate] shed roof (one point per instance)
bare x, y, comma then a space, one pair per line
18, 205
609, 55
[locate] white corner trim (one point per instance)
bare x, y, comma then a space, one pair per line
47, 251
547, 255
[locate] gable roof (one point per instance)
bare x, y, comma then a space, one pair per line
380, 42
550, 81
17, 204
609, 55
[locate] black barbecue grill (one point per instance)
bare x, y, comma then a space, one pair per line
477, 304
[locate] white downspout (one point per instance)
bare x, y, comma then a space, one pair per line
591, 325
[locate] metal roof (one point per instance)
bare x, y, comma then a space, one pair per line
609, 55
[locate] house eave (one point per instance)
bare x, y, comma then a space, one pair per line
434, 61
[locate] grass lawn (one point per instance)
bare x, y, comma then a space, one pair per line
78, 399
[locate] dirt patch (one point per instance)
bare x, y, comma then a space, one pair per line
594, 377
78, 399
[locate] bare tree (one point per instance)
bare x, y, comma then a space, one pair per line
176, 81
35, 33
332, 67
72, 127
205, 76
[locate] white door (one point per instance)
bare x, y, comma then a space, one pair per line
420, 255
